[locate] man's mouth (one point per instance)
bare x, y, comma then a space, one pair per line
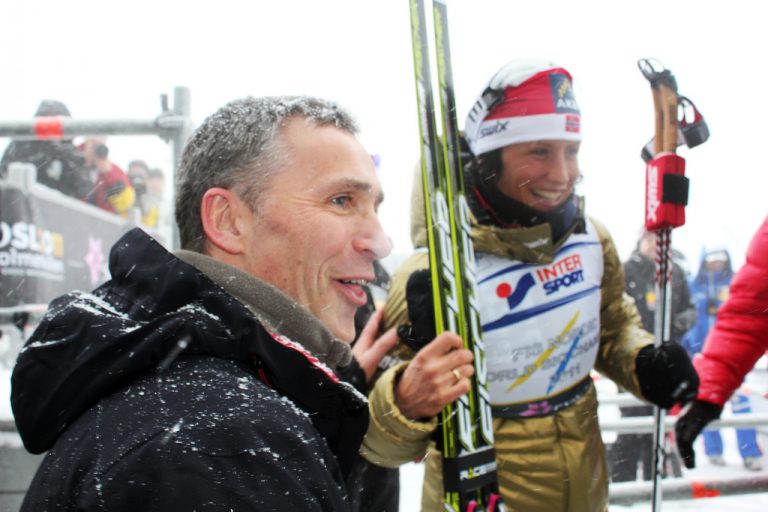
360, 282
354, 290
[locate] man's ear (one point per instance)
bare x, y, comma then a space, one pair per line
220, 210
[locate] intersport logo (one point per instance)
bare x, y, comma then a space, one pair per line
563, 273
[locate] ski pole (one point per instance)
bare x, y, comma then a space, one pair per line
664, 90
666, 197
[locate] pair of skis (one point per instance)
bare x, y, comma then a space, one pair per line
466, 426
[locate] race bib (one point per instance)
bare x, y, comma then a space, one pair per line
541, 323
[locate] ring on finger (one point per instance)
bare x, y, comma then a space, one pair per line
457, 374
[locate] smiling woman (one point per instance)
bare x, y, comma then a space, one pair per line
568, 312
541, 174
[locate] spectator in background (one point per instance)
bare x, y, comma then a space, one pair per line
146, 205
137, 172
156, 183
710, 290
629, 450
112, 190
59, 165
155, 194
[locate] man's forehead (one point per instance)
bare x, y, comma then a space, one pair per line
372, 186
336, 154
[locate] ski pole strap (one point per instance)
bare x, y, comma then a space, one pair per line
693, 128
469, 470
544, 407
655, 72
675, 189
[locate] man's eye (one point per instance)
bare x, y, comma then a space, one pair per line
342, 201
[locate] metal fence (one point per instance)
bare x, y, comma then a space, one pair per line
173, 125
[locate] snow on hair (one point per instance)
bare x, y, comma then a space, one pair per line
238, 148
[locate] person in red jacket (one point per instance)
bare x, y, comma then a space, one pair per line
737, 340
112, 190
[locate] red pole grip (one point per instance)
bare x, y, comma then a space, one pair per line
666, 192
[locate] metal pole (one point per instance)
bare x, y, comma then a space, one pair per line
644, 424
620, 400
57, 127
661, 333
181, 108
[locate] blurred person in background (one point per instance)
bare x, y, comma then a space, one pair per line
112, 190
147, 204
156, 183
59, 164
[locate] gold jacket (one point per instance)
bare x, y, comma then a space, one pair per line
549, 463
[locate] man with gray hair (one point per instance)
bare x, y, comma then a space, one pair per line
206, 379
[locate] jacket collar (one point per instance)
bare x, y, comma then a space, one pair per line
275, 310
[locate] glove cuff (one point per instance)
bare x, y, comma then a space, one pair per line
706, 411
666, 375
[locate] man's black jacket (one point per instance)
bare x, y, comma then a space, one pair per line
161, 391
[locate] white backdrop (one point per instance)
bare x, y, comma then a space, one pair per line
113, 59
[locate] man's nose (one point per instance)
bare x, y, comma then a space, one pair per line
373, 240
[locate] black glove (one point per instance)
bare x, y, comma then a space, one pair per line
690, 425
666, 375
418, 295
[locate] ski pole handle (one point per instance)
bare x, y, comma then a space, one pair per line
665, 103
668, 102
666, 184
